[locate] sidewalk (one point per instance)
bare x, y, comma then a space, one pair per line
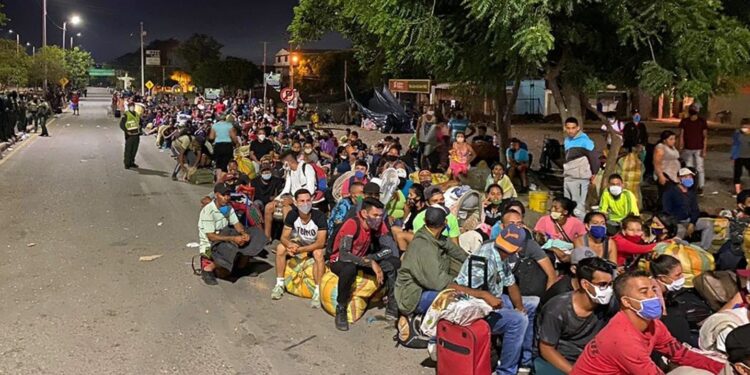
6, 145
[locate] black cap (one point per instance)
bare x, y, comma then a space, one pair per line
737, 344
371, 188
432, 190
221, 188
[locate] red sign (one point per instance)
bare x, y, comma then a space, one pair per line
287, 95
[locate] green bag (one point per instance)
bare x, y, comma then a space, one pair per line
202, 177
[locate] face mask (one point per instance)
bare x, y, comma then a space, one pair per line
687, 182
496, 202
305, 208
373, 223
555, 215
131, 109
615, 190
598, 231
359, 175
262, 137
266, 176
675, 285
602, 297
343, 157
637, 118
650, 308
460, 139
426, 183
633, 239
431, 113
225, 210
657, 231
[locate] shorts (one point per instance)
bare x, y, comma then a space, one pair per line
459, 168
223, 153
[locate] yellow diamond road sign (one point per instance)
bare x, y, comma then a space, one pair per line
63, 81
149, 85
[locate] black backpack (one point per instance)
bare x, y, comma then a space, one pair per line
332, 236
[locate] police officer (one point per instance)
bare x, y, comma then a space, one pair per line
43, 112
131, 125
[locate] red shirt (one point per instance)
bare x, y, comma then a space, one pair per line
692, 133
74, 99
361, 242
626, 248
620, 348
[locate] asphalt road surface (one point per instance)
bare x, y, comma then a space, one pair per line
77, 300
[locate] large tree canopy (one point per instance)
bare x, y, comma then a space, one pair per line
199, 49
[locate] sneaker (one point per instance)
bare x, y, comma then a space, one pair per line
134, 165
391, 312
524, 370
277, 292
341, 320
209, 278
315, 301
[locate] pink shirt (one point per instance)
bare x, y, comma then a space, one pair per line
573, 227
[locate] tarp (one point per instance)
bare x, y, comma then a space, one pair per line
385, 110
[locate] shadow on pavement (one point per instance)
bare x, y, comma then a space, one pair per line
151, 172
254, 268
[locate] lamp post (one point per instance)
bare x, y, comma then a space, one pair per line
18, 41
74, 20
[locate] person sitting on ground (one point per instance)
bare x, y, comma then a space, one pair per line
360, 175
567, 281
618, 202
266, 186
738, 351
435, 198
684, 308
415, 204
630, 240
482, 135
232, 175
261, 146
570, 320
714, 331
514, 315
304, 232
224, 242
596, 237
493, 204
518, 163
562, 227
498, 176
625, 345
297, 176
681, 202
425, 270
352, 252
342, 207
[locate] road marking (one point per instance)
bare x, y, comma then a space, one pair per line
28, 141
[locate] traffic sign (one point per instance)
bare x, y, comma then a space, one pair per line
288, 95
63, 81
149, 85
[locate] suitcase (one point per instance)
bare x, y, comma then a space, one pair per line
464, 350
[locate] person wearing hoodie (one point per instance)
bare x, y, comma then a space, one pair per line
581, 165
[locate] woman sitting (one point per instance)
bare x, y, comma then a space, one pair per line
596, 237
560, 228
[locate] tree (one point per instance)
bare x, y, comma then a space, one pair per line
77, 65
53, 58
14, 64
199, 49
231, 73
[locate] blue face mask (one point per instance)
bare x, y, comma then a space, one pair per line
637, 118
225, 210
598, 231
688, 182
359, 175
650, 308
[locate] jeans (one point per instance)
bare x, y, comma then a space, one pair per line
694, 159
428, 296
516, 332
577, 189
706, 228
347, 273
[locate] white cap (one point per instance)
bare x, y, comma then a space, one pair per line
685, 172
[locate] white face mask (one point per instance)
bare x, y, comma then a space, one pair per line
615, 190
676, 284
262, 137
602, 297
555, 215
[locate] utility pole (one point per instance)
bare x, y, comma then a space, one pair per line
71, 42
18, 43
265, 84
65, 26
163, 75
143, 90
346, 92
44, 39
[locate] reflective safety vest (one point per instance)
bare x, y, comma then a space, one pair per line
132, 122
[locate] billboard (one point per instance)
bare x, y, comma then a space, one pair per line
153, 57
418, 86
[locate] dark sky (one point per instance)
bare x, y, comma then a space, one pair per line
241, 25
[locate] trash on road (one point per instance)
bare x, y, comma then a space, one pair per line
159, 224
192, 244
32, 244
148, 258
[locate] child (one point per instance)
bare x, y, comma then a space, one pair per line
461, 155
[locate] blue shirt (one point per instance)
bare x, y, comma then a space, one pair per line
520, 155
458, 125
338, 214
499, 273
681, 206
581, 140
222, 130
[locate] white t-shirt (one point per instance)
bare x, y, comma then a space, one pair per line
307, 233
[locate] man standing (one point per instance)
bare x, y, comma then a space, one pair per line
131, 125
581, 165
43, 112
693, 142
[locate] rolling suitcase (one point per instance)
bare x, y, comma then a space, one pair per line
465, 350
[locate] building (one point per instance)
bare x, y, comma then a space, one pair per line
281, 59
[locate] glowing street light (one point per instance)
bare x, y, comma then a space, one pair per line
74, 20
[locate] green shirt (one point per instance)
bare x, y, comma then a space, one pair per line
212, 220
451, 231
618, 209
426, 265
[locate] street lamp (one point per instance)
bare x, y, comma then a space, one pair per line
293, 60
18, 40
71, 39
74, 20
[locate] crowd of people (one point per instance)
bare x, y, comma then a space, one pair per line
584, 289
20, 111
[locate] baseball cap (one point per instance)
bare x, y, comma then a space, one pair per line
737, 344
221, 188
580, 253
432, 190
685, 172
371, 188
511, 239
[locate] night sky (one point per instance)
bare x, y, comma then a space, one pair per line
241, 25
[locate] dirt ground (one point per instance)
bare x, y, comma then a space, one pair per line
717, 192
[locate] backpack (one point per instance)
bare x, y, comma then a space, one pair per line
332, 236
202, 176
321, 179
716, 287
409, 334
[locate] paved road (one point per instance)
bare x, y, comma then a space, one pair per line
80, 302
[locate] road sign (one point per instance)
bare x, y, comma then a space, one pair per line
63, 81
94, 72
153, 57
419, 86
288, 95
149, 85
